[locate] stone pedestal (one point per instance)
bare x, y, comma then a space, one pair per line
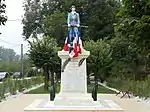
73, 80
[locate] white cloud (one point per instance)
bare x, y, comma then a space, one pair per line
12, 31
14, 9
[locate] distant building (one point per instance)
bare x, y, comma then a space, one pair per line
16, 74
3, 75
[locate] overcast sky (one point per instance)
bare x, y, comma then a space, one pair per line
12, 31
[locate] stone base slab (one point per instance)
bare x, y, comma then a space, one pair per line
41, 105
69, 98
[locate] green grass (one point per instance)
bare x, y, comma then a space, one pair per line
0, 84
101, 89
41, 90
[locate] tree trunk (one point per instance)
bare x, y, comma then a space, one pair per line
52, 77
46, 80
95, 85
95, 80
52, 87
88, 78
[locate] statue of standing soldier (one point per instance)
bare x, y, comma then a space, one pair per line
73, 41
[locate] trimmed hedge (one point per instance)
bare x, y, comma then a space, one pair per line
11, 85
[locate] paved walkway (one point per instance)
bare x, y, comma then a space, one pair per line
19, 103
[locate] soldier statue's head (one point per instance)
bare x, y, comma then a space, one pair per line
73, 8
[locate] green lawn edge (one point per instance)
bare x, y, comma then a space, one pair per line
41, 90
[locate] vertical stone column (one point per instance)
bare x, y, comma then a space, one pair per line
74, 77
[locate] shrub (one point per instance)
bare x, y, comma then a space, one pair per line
11, 85
2, 91
138, 88
21, 85
31, 72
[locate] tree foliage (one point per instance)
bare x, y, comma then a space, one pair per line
53, 26
8, 54
97, 14
9, 67
130, 67
3, 18
33, 18
125, 57
43, 54
100, 58
135, 21
100, 18
131, 43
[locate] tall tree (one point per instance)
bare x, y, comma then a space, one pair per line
135, 17
100, 18
32, 18
43, 54
132, 34
134, 23
7, 54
